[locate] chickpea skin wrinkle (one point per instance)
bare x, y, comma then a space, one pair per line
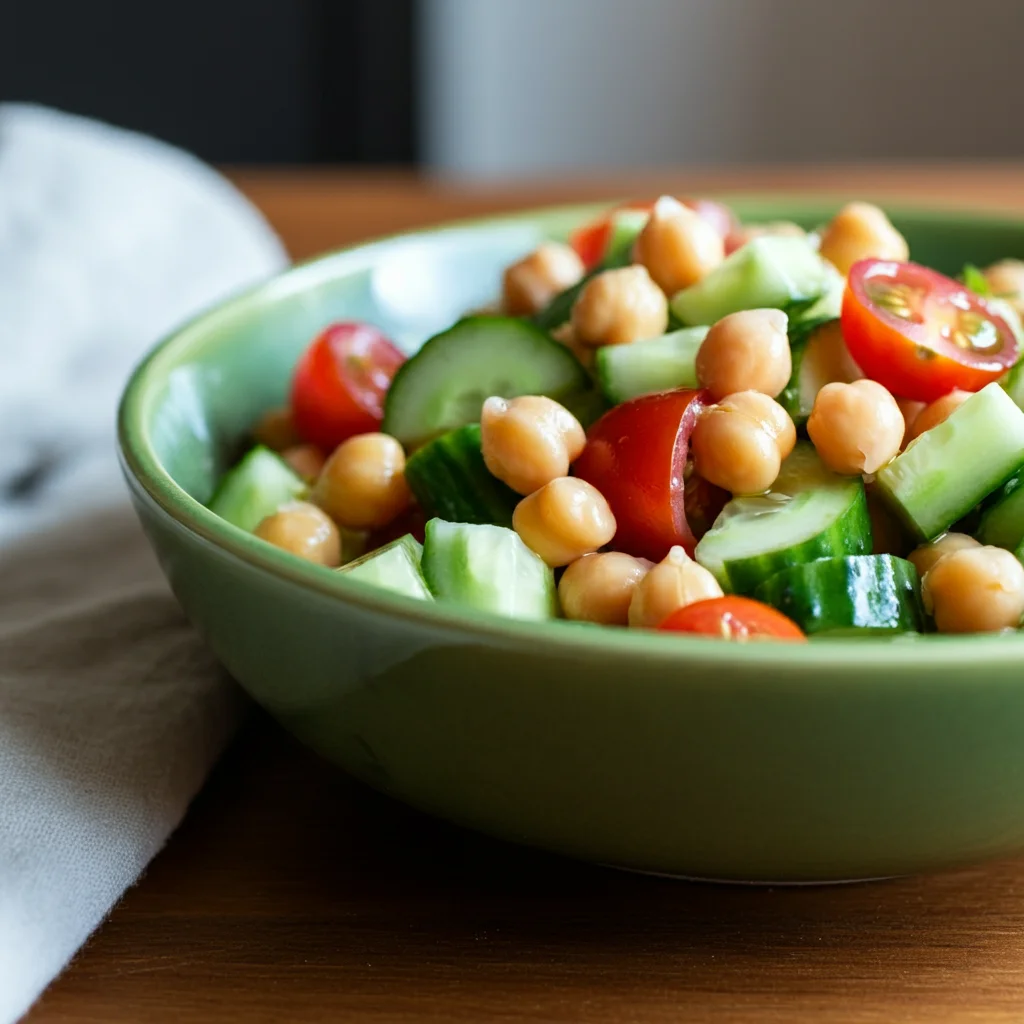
531, 283
856, 428
673, 583
362, 486
975, 590
746, 351
677, 246
304, 530
861, 231
619, 306
564, 520
927, 556
529, 441
599, 587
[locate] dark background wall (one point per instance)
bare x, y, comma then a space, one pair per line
264, 81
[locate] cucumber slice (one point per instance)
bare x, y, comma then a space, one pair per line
256, 488
770, 272
487, 567
444, 385
657, 364
830, 304
820, 357
946, 471
809, 513
395, 567
451, 481
858, 595
1013, 384
1002, 523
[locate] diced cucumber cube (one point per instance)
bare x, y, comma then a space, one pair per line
395, 567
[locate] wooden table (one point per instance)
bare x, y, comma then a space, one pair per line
292, 895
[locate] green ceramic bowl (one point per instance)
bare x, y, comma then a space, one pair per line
837, 760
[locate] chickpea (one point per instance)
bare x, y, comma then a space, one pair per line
362, 486
937, 412
276, 429
926, 557
529, 441
306, 459
566, 519
911, 409
975, 590
772, 229
530, 284
620, 306
673, 583
1006, 279
740, 443
565, 334
599, 587
304, 530
860, 231
677, 246
746, 351
856, 428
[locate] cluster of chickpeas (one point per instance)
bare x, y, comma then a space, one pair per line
738, 443
359, 487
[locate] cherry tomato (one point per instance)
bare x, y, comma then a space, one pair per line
339, 385
591, 241
636, 457
734, 618
922, 334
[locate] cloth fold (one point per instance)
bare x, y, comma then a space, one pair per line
111, 710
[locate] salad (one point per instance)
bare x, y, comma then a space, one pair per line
675, 421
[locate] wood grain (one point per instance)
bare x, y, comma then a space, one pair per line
291, 894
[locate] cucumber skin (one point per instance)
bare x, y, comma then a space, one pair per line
1002, 523
876, 594
849, 535
450, 480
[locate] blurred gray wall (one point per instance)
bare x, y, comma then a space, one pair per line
524, 87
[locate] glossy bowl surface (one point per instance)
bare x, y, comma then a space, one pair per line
837, 760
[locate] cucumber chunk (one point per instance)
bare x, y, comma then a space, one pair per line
820, 357
808, 513
444, 385
451, 481
771, 272
395, 567
946, 471
657, 364
1002, 523
857, 595
489, 568
256, 488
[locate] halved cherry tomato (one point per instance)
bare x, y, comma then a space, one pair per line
636, 457
734, 618
922, 334
339, 385
591, 241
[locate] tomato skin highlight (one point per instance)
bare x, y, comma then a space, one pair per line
340, 382
734, 618
636, 457
915, 355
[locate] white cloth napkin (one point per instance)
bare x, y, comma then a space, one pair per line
111, 710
